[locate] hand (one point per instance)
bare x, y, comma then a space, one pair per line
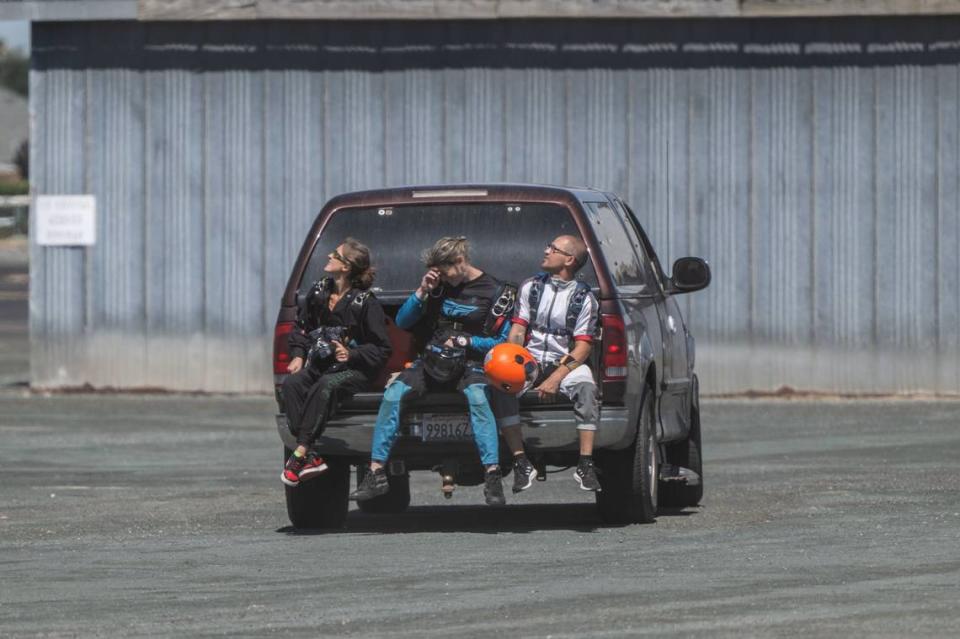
449, 343
295, 365
429, 282
342, 353
548, 388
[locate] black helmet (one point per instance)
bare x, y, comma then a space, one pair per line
444, 363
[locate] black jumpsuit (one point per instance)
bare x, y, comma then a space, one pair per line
310, 395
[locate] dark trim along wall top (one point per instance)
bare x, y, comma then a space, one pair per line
550, 44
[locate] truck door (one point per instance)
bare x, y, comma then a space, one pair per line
677, 379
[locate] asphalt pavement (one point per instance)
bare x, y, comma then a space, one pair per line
164, 516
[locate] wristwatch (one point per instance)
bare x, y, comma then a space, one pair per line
462, 341
570, 362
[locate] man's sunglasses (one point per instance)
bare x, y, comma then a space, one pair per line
554, 249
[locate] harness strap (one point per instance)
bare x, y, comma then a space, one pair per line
574, 308
559, 331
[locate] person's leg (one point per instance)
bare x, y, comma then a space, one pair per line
484, 425
318, 406
582, 390
385, 431
321, 400
387, 426
294, 392
506, 408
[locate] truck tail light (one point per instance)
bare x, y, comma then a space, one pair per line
614, 344
281, 358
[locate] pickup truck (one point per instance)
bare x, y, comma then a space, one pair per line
648, 444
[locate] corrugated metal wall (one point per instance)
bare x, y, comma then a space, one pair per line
824, 197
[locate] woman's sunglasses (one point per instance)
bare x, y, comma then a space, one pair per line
336, 256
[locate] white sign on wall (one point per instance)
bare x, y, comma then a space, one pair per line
66, 220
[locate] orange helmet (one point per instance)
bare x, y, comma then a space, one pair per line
510, 368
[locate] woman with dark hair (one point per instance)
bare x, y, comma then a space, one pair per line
339, 344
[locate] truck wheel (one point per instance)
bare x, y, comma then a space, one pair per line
629, 477
322, 501
395, 501
686, 454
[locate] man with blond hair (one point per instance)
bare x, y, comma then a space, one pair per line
461, 311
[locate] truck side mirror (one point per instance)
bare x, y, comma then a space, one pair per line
689, 274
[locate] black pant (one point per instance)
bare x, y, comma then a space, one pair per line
309, 399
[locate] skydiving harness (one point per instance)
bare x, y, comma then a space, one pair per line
314, 303
574, 308
444, 363
500, 311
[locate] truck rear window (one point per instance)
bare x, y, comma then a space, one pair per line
507, 240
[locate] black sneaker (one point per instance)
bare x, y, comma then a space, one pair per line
493, 488
523, 473
586, 476
373, 485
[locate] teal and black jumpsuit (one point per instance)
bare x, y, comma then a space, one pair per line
461, 310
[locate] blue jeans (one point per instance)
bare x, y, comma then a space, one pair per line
482, 421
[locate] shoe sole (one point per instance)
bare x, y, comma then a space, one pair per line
291, 484
582, 487
497, 502
313, 472
520, 489
355, 497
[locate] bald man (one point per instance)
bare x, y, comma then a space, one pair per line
561, 343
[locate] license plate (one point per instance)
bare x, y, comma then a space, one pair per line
439, 428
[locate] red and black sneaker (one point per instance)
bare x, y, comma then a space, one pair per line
315, 465
299, 469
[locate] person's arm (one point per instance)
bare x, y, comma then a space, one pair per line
518, 334
298, 341
579, 354
413, 309
482, 344
374, 347
521, 316
411, 312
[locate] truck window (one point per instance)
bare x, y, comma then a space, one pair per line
507, 240
618, 240
645, 245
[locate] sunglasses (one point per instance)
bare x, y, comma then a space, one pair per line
336, 256
554, 249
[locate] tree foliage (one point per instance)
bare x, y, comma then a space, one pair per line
14, 70
22, 159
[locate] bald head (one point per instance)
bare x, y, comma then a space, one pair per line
575, 247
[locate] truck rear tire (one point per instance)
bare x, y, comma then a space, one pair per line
320, 502
629, 478
395, 501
